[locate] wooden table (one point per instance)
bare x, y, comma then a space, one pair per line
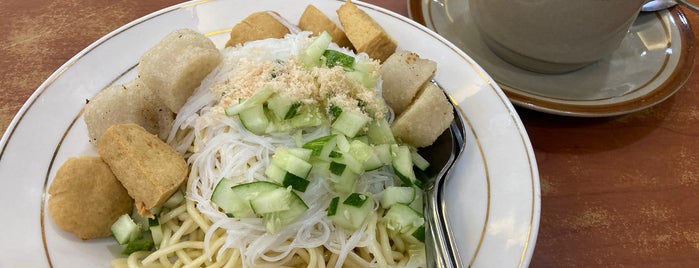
620, 191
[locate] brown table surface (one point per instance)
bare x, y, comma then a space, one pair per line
618, 191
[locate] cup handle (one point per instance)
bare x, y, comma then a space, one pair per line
689, 5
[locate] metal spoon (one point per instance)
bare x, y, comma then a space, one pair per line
656, 5
440, 248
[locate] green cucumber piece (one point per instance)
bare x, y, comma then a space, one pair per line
332, 208
125, 230
403, 164
350, 123
364, 153
229, 201
175, 200
419, 161
397, 195
303, 153
383, 151
321, 147
276, 220
337, 168
346, 182
142, 244
271, 201
379, 132
402, 219
356, 200
254, 119
336, 58
282, 107
352, 217
256, 99
286, 160
157, 234
311, 56
297, 183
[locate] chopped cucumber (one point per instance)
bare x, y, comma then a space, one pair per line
142, 244
332, 208
175, 200
125, 230
321, 147
352, 163
303, 153
271, 201
286, 160
282, 107
419, 161
350, 123
157, 234
345, 183
383, 151
254, 119
350, 216
403, 164
230, 202
297, 183
337, 168
397, 195
419, 233
356, 200
275, 173
364, 153
336, 58
402, 219
343, 144
258, 98
276, 220
379, 132
311, 56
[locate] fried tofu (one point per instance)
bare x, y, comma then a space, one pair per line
86, 198
132, 102
403, 75
257, 26
315, 21
425, 119
175, 66
149, 169
365, 33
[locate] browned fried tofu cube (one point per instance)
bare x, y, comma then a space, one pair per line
403, 75
149, 168
86, 198
425, 119
365, 33
257, 26
315, 21
175, 66
132, 102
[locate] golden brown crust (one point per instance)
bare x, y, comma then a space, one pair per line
257, 26
403, 75
365, 33
86, 198
316, 21
149, 169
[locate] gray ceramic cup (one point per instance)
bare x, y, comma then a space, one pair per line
553, 36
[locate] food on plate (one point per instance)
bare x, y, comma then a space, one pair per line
175, 66
403, 74
365, 33
132, 102
315, 21
290, 154
425, 119
86, 198
257, 26
147, 167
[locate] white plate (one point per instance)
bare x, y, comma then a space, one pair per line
493, 201
652, 63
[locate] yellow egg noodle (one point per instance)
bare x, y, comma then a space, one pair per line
198, 234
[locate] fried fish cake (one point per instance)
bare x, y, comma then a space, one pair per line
86, 198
